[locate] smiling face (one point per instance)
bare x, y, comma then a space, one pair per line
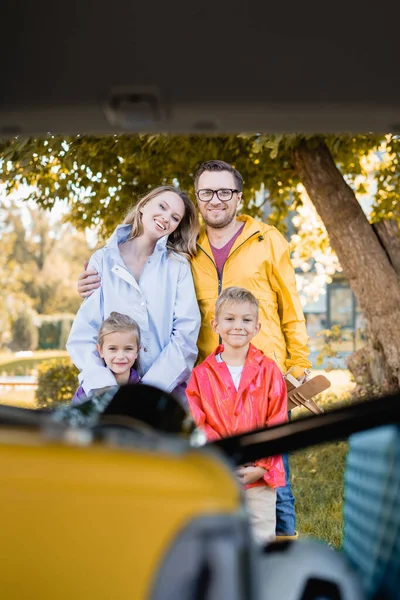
161, 215
236, 323
119, 350
218, 214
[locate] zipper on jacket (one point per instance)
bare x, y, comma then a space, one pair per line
213, 262
222, 272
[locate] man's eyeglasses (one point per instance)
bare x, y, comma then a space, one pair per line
223, 194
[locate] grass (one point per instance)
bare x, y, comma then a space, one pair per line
10, 364
317, 482
6, 357
20, 397
317, 475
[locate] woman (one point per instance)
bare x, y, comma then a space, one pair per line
145, 274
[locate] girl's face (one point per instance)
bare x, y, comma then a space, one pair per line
162, 215
119, 351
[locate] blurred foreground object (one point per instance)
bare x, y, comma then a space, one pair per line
372, 510
308, 570
121, 509
293, 74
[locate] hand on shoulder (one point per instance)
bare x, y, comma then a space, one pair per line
88, 281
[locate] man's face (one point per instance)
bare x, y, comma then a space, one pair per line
216, 213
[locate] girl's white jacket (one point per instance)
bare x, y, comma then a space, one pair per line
163, 304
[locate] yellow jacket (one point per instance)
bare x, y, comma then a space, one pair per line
260, 262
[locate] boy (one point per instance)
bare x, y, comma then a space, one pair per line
237, 389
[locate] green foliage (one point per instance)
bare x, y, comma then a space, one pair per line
57, 382
24, 332
39, 264
54, 331
101, 177
64, 332
331, 338
387, 203
49, 333
45, 257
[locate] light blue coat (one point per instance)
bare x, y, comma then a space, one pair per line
163, 304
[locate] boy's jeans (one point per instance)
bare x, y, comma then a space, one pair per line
285, 513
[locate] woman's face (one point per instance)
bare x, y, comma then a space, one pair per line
162, 215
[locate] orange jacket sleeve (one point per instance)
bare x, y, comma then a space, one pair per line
291, 314
196, 408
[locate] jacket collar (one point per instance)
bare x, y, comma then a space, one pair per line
251, 227
122, 233
250, 370
253, 356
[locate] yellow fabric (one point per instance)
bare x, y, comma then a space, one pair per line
260, 262
104, 518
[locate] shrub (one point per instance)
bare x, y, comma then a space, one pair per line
24, 332
65, 328
49, 334
57, 382
54, 331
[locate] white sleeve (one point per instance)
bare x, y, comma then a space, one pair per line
82, 339
175, 363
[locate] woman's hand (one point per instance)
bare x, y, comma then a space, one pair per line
250, 474
88, 281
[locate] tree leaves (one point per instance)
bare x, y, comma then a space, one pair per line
101, 177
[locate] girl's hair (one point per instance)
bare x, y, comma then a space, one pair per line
118, 322
183, 239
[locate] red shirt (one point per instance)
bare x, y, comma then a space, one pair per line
222, 411
221, 254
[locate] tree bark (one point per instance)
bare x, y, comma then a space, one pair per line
389, 237
364, 260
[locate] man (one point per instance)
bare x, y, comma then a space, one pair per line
240, 251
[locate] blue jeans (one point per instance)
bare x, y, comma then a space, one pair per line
285, 513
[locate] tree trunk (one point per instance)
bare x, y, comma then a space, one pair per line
364, 261
389, 237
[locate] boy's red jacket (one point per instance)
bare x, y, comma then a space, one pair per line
221, 410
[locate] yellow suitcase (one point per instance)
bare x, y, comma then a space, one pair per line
118, 510
116, 517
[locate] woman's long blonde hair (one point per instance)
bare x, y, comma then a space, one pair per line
183, 239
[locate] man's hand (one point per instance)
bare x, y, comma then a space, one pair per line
88, 281
250, 474
305, 377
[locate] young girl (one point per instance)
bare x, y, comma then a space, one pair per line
118, 344
145, 274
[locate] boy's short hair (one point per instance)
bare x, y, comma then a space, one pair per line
118, 322
236, 295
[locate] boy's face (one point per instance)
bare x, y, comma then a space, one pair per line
236, 323
119, 351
